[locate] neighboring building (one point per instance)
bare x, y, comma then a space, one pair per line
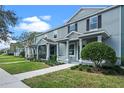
16, 48
87, 25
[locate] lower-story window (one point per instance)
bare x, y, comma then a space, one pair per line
71, 49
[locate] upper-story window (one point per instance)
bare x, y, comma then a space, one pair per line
94, 22
45, 36
72, 27
55, 34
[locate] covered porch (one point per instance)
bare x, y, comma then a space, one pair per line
73, 43
45, 49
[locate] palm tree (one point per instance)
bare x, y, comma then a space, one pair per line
7, 18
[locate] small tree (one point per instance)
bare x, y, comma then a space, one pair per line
97, 52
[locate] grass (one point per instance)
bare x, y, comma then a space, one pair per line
19, 67
75, 79
16, 68
6, 58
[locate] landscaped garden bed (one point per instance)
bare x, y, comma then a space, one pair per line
52, 61
107, 70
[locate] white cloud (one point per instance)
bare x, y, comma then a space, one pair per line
31, 19
33, 24
4, 45
46, 18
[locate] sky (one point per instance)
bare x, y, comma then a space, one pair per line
41, 18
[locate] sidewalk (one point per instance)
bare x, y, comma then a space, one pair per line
30, 74
9, 81
14, 81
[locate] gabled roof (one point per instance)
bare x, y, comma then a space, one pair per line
46, 40
83, 9
103, 10
73, 32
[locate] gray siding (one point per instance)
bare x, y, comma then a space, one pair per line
122, 31
111, 24
83, 13
62, 32
82, 26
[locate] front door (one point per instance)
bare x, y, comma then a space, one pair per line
72, 52
42, 51
52, 50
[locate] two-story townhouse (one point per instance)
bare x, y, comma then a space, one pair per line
87, 25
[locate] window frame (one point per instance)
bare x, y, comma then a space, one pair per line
55, 34
75, 27
90, 21
99, 23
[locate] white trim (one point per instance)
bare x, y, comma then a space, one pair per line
71, 33
67, 51
73, 15
77, 56
95, 33
99, 38
90, 23
40, 41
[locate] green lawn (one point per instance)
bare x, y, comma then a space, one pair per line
75, 79
22, 67
15, 68
6, 58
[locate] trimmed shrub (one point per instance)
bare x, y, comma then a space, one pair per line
52, 61
22, 54
74, 67
97, 52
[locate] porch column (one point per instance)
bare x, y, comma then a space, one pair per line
25, 52
67, 51
57, 51
28, 52
37, 52
48, 52
99, 38
80, 45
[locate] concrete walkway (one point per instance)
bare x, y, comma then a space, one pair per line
9, 81
30, 74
